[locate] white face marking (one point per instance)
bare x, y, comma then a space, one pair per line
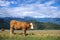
31, 25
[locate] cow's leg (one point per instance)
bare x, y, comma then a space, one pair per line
11, 30
24, 32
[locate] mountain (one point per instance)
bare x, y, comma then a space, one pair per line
39, 23
50, 20
46, 26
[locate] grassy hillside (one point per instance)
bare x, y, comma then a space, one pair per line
37, 25
45, 25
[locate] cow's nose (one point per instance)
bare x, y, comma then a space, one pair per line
31, 27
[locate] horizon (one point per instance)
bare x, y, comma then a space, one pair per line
22, 17
50, 20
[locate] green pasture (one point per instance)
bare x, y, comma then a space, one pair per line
31, 35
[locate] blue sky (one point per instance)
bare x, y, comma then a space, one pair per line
31, 8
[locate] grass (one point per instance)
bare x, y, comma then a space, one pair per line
32, 35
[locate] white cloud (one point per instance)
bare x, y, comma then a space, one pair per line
49, 3
36, 10
4, 3
13, 2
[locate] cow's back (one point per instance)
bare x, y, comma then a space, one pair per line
18, 24
21, 24
12, 23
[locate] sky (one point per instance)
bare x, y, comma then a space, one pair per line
30, 8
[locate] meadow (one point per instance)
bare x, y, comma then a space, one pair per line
31, 35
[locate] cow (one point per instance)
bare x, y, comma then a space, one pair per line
2, 29
14, 24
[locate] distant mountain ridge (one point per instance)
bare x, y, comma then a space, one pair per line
39, 23
50, 20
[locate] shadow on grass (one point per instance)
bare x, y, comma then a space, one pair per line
22, 34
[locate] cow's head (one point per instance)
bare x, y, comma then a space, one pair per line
31, 25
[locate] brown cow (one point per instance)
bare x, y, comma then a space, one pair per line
2, 29
20, 25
